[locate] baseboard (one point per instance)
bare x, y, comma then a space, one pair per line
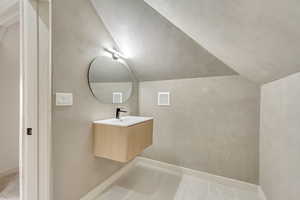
171, 169
108, 182
9, 172
261, 193
196, 173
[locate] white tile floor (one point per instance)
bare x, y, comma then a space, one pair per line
11, 191
152, 183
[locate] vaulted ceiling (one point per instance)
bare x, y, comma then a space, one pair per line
156, 48
260, 39
9, 14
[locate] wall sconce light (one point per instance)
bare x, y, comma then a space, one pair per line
115, 54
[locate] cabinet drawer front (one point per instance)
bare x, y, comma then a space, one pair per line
140, 136
122, 143
110, 142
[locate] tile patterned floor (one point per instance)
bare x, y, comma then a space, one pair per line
148, 183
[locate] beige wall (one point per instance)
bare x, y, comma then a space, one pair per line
280, 139
78, 36
9, 101
212, 125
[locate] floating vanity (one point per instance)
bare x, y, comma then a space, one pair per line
122, 139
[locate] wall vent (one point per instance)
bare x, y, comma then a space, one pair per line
163, 99
117, 97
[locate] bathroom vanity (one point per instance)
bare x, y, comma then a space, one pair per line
122, 139
119, 139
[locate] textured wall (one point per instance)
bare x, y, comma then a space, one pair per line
256, 38
9, 101
212, 125
78, 36
280, 139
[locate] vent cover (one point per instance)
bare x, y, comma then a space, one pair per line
163, 99
117, 97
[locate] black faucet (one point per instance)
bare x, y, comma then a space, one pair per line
118, 112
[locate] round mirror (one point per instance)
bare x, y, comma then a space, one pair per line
110, 80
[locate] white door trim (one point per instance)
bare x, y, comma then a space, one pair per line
45, 100
29, 100
35, 100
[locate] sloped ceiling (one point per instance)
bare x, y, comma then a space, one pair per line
157, 49
9, 14
260, 39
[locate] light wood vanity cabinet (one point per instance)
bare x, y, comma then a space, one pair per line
122, 143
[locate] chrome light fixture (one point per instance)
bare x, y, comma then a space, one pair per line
115, 54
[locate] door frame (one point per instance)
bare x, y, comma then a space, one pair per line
35, 100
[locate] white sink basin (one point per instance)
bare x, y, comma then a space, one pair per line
124, 121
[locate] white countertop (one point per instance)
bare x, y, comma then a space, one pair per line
124, 121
